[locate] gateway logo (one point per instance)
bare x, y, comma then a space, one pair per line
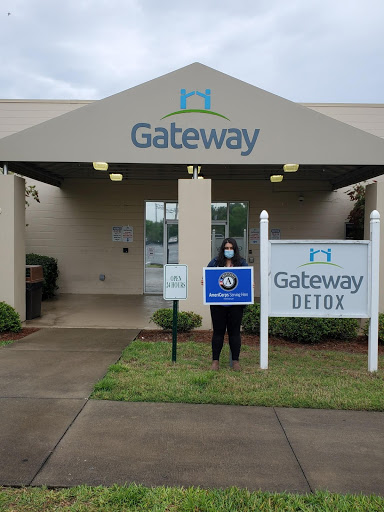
207, 104
322, 256
161, 137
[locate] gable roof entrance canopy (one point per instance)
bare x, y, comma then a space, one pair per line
194, 115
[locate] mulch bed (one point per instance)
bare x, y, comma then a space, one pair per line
357, 346
7, 336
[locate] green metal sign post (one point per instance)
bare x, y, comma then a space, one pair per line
174, 329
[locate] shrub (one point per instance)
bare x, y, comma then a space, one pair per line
304, 330
187, 320
9, 318
50, 271
313, 330
380, 328
250, 320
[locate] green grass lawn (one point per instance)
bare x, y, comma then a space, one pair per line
297, 377
177, 499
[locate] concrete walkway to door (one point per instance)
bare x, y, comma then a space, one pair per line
99, 311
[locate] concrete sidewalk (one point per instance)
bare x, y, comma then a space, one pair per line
51, 434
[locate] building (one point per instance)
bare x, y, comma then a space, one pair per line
113, 237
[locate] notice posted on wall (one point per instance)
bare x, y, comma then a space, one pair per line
275, 234
122, 234
254, 236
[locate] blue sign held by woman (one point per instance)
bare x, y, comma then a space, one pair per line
228, 286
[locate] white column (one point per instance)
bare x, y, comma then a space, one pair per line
375, 290
374, 200
194, 236
264, 278
12, 242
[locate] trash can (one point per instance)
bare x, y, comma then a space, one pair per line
33, 290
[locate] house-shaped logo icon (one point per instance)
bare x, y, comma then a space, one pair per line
320, 257
206, 104
328, 253
206, 96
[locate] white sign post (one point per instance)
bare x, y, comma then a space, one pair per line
175, 289
175, 282
375, 291
320, 278
264, 279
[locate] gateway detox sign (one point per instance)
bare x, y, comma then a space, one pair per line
170, 135
317, 279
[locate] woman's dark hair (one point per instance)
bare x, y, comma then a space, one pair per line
236, 259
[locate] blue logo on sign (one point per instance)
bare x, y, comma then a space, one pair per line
328, 254
323, 258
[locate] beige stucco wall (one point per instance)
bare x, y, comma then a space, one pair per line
12, 244
17, 115
368, 117
74, 224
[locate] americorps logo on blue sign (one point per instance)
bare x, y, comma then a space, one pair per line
228, 286
162, 137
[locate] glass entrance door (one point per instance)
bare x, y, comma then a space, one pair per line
154, 247
161, 242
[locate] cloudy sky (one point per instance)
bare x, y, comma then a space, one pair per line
302, 50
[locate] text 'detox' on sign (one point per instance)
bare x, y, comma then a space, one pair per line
175, 282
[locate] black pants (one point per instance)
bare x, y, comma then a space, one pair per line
230, 318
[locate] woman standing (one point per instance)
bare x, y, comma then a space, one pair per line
227, 317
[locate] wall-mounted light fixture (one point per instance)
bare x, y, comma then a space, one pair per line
100, 166
291, 167
116, 176
194, 170
276, 178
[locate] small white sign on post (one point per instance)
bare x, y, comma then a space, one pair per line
175, 282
